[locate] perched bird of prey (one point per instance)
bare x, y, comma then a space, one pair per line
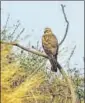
50, 46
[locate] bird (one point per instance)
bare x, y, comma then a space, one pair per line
50, 46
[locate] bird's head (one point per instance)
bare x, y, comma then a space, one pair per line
47, 31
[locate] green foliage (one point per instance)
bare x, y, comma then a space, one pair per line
78, 80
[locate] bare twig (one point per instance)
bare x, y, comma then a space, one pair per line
72, 52
71, 55
63, 6
6, 22
15, 28
37, 44
19, 34
3, 31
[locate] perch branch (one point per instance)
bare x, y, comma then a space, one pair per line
63, 6
29, 50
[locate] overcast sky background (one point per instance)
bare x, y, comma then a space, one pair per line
36, 15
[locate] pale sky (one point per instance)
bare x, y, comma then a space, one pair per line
40, 14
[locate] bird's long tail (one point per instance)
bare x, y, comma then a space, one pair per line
53, 61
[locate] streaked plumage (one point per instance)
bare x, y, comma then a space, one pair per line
50, 46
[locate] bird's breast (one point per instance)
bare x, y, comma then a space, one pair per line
49, 43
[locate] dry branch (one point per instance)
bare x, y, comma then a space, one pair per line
29, 50
63, 6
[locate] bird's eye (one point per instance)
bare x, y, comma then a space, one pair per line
45, 31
